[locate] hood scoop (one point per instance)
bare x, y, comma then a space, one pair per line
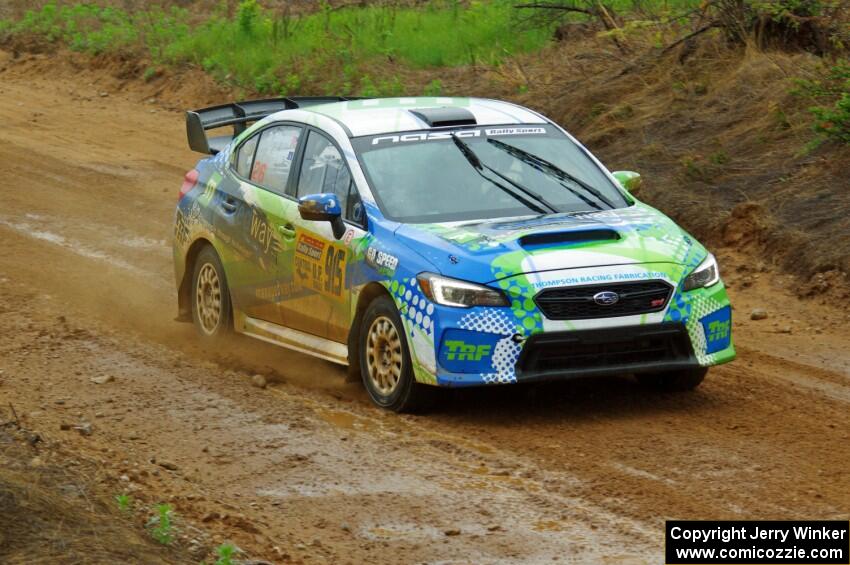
568, 237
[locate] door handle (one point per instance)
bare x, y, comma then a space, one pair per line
287, 230
229, 205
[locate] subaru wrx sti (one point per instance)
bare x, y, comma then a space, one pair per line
437, 242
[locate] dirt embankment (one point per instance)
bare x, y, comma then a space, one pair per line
722, 141
53, 508
306, 470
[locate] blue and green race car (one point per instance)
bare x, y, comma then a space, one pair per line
437, 242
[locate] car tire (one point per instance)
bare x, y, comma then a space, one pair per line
674, 381
211, 311
385, 365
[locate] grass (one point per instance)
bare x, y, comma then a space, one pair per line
161, 524
225, 553
276, 53
124, 502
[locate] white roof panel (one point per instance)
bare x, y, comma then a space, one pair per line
390, 115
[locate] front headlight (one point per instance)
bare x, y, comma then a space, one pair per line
452, 292
706, 274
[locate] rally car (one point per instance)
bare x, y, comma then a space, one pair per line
437, 242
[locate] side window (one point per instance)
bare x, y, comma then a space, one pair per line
245, 157
354, 211
324, 170
275, 154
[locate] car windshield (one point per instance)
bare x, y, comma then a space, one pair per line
482, 173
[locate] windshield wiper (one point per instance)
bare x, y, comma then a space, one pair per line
545, 166
479, 167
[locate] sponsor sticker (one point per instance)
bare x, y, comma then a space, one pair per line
275, 292
209, 190
258, 173
310, 247
514, 131
320, 265
381, 261
718, 330
601, 278
466, 133
467, 352
262, 232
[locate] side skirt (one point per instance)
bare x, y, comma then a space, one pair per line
292, 339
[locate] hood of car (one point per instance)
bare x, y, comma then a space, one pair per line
485, 250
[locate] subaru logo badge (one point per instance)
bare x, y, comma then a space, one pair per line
606, 298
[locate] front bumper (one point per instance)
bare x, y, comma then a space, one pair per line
468, 347
608, 351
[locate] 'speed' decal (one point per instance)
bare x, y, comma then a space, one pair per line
320, 265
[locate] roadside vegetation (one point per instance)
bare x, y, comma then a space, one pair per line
832, 92
273, 51
365, 49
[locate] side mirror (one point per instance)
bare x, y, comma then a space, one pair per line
629, 180
323, 208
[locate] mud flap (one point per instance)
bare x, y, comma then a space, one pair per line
352, 372
184, 317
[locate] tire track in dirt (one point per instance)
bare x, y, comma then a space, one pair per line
255, 452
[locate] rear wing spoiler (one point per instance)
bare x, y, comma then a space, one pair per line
239, 115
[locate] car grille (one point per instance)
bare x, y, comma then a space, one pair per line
610, 350
576, 302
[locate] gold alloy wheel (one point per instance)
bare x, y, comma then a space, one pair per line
383, 355
208, 299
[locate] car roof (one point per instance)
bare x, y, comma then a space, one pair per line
375, 116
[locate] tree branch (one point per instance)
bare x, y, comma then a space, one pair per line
15, 421
557, 7
691, 35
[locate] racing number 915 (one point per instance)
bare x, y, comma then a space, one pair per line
334, 265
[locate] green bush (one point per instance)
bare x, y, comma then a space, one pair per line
832, 94
248, 14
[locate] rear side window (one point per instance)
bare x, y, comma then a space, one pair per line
245, 157
274, 157
323, 170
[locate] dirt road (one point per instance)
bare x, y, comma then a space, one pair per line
306, 469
